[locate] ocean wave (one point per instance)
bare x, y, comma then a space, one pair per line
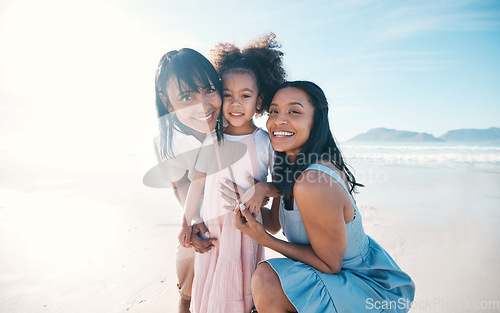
421, 155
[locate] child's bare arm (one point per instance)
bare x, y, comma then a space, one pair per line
192, 200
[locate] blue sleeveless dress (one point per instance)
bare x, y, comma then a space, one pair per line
369, 281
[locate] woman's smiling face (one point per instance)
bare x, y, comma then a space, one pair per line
290, 120
197, 109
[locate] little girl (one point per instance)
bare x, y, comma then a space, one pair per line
249, 78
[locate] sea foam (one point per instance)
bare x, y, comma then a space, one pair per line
423, 155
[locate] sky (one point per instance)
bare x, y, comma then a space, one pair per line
77, 77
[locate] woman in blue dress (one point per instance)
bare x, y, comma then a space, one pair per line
331, 265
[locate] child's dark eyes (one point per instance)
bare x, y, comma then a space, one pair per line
227, 96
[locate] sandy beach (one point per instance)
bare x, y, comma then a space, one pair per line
441, 227
93, 238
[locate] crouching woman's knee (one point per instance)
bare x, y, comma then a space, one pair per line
265, 285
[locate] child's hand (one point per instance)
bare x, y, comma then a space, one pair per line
199, 244
255, 197
185, 236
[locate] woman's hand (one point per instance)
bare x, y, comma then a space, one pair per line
185, 236
253, 197
245, 221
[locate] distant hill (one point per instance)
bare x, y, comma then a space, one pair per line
490, 134
385, 134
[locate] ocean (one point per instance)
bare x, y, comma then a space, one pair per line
480, 155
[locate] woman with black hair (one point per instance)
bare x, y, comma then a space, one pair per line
331, 265
188, 103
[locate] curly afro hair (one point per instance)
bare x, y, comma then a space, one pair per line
260, 58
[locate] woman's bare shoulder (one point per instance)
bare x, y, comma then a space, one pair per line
320, 197
315, 186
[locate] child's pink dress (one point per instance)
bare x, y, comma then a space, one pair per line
222, 275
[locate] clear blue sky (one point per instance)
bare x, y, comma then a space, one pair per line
85, 68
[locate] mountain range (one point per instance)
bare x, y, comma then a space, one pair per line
491, 134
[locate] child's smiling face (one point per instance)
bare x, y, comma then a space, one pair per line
240, 99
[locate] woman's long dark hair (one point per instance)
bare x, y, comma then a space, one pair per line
190, 69
319, 146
